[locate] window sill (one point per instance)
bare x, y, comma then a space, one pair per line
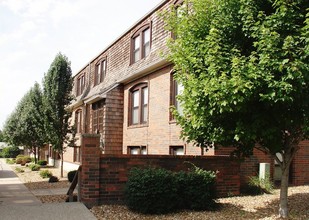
138, 126
172, 121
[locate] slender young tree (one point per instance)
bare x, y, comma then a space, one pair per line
33, 120
244, 65
57, 96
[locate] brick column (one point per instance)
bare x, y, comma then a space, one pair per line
90, 173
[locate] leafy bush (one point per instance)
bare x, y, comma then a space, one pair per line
196, 189
258, 185
45, 173
27, 159
22, 159
34, 167
19, 170
19, 160
151, 191
10, 152
42, 162
53, 179
71, 175
10, 161
160, 191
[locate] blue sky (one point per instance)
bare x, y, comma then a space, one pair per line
32, 32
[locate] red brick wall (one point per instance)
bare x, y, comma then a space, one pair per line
300, 165
89, 175
103, 177
114, 172
113, 121
250, 166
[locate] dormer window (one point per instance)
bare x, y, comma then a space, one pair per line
140, 44
100, 72
80, 85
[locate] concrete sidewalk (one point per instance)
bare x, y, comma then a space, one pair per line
17, 202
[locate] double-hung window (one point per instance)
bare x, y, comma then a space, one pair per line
100, 72
80, 84
177, 89
78, 121
98, 116
140, 44
139, 105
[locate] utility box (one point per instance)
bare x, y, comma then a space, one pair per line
264, 170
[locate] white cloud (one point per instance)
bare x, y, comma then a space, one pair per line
14, 5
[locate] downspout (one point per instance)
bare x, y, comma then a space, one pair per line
85, 112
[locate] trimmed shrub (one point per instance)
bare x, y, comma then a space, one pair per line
53, 179
19, 170
45, 174
156, 191
196, 189
151, 191
10, 152
34, 167
22, 159
42, 162
71, 175
27, 159
19, 160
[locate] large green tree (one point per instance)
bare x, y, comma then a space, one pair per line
245, 68
25, 126
58, 85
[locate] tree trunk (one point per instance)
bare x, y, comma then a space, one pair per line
39, 151
54, 158
34, 152
61, 164
283, 206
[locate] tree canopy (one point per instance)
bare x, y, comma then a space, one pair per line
244, 65
25, 126
1, 136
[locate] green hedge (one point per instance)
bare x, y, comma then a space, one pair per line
42, 162
157, 191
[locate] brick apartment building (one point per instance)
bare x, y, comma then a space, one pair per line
125, 94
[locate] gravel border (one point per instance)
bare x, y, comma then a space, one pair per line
233, 208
